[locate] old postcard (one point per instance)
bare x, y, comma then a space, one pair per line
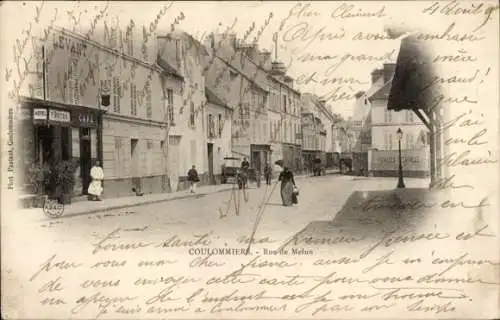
249, 160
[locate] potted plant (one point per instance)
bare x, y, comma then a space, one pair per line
63, 177
38, 182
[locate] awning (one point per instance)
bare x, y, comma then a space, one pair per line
411, 83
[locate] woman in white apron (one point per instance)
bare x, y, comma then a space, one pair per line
95, 187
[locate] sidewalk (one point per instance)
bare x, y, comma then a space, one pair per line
87, 207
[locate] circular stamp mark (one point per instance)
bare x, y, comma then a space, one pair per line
53, 209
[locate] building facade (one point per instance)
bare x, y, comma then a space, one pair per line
382, 123
135, 124
326, 133
318, 131
219, 129
187, 136
243, 87
284, 118
377, 138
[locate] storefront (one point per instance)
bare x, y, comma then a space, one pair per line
54, 132
259, 155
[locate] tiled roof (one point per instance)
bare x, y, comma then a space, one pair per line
382, 93
238, 61
169, 69
213, 98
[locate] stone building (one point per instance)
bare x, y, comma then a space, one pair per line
180, 53
219, 127
243, 87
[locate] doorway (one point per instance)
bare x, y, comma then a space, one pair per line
173, 161
256, 160
134, 155
210, 149
85, 158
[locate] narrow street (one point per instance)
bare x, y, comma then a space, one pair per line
320, 199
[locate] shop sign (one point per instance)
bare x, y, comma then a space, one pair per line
59, 116
84, 119
39, 114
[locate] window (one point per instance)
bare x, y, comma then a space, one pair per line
191, 115
409, 141
219, 124
130, 42
148, 93
211, 126
284, 103
387, 116
162, 155
411, 116
170, 106
149, 158
118, 157
116, 94
193, 153
133, 99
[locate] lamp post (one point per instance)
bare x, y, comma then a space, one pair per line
401, 183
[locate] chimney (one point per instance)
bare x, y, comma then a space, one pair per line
215, 41
278, 69
265, 60
169, 49
252, 51
389, 69
377, 74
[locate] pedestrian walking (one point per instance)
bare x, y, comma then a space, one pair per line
268, 172
193, 179
95, 188
289, 191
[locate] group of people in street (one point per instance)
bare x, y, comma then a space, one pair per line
289, 191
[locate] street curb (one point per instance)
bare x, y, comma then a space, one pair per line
131, 205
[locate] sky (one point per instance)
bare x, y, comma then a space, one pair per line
299, 33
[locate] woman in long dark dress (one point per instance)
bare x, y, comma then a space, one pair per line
287, 187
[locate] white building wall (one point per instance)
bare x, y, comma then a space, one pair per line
222, 143
385, 124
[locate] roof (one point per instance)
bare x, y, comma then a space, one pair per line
284, 83
413, 74
213, 98
383, 92
169, 69
306, 97
187, 38
240, 62
247, 75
